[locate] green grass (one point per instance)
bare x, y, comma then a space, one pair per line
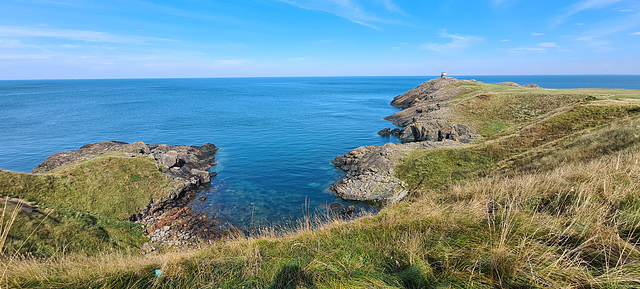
85, 205
549, 199
67, 232
116, 187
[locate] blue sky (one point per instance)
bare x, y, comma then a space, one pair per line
194, 38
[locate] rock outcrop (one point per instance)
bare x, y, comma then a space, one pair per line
370, 171
426, 115
168, 220
426, 122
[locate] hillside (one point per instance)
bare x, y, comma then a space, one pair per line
548, 196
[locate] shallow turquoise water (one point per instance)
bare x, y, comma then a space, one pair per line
276, 135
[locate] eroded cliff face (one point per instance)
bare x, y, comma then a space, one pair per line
426, 123
426, 113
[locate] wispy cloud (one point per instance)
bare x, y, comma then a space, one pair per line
582, 6
635, 33
77, 35
232, 62
354, 10
393, 7
527, 49
547, 44
537, 34
597, 37
25, 56
457, 43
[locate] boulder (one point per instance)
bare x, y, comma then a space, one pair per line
385, 132
169, 159
208, 148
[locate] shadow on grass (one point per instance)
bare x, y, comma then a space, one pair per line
291, 276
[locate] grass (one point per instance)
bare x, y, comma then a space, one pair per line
548, 199
116, 187
86, 205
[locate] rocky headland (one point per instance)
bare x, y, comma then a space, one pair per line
426, 123
168, 220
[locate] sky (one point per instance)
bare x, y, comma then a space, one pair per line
68, 39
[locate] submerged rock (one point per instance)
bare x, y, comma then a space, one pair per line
350, 210
335, 206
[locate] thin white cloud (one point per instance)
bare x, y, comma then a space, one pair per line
635, 33
226, 63
457, 43
10, 43
582, 6
393, 7
77, 35
505, 40
597, 37
25, 56
537, 34
527, 49
547, 44
625, 10
356, 11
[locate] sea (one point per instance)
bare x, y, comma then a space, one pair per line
276, 135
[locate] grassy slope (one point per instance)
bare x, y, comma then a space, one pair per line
550, 198
86, 205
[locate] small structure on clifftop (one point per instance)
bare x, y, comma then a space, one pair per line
443, 75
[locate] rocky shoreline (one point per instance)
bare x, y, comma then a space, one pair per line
168, 221
425, 122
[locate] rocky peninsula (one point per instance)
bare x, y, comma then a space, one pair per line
166, 218
427, 121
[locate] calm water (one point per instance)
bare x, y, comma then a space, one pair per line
276, 135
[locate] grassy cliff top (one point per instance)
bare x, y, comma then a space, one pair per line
550, 197
83, 206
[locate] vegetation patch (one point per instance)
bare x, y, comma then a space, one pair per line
550, 198
84, 207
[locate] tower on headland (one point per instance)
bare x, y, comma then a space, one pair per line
443, 75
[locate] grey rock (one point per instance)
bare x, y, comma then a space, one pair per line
169, 159
434, 89
426, 122
208, 148
370, 171
385, 132
437, 130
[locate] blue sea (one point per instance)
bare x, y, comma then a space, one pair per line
277, 136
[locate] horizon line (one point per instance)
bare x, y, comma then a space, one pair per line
320, 76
